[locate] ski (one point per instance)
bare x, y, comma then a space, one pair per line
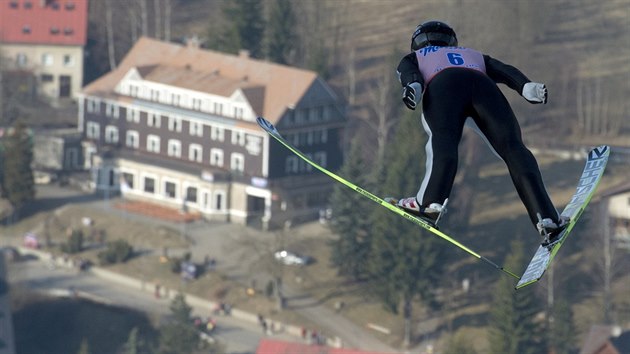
592, 174
273, 132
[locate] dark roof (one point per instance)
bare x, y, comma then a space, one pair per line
622, 343
616, 189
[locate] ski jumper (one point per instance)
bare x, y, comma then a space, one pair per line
461, 83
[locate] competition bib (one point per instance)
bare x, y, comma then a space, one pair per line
432, 60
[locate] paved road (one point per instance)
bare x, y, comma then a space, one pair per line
232, 246
238, 336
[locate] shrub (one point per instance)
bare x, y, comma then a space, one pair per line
118, 251
74, 243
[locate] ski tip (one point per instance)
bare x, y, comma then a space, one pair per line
599, 152
266, 125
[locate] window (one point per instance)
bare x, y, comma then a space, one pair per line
238, 112
237, 162
218, 108
47, 59
70, 6
71, 158
13, 4
218, 200
175, 99
238, 138
68, 31
217, 133
153, 143
320, 158
191, 194
195, 153
47, 78
93, 130
254, 145
133, 139
216, 157
54, 30
26, 29
153, 120
196, 129
174, 123
93, 106
291, 164
196, 104
127, 180
133, 115
170, 190
133, 90
320, 136
111, 134
21, 59
155, 95
68, 60
149, 185
112, 110
174, 148
28, 5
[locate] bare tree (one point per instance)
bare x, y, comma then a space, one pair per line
2, 60
168, 8
596, 115
382, 107
157, 18
144, 17
352, 76
109, 27
132, 14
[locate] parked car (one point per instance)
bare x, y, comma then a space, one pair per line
292, 258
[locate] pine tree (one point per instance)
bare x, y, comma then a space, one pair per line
562, 331
241, 26
514, 329
19, 185
179, 336
458, 344
281, 32
405, 261
350, 251
135, 344
85, 347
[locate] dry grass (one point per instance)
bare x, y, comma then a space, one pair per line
468, 317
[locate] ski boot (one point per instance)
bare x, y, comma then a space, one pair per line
431, 214
550, 230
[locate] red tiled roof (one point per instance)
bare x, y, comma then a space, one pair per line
270, 346
56, 22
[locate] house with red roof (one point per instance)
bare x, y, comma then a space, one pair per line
46, 37
175, 125
272, 346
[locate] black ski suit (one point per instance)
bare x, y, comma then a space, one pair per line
461, 83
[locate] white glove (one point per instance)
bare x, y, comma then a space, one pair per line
412, 93
535, 92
